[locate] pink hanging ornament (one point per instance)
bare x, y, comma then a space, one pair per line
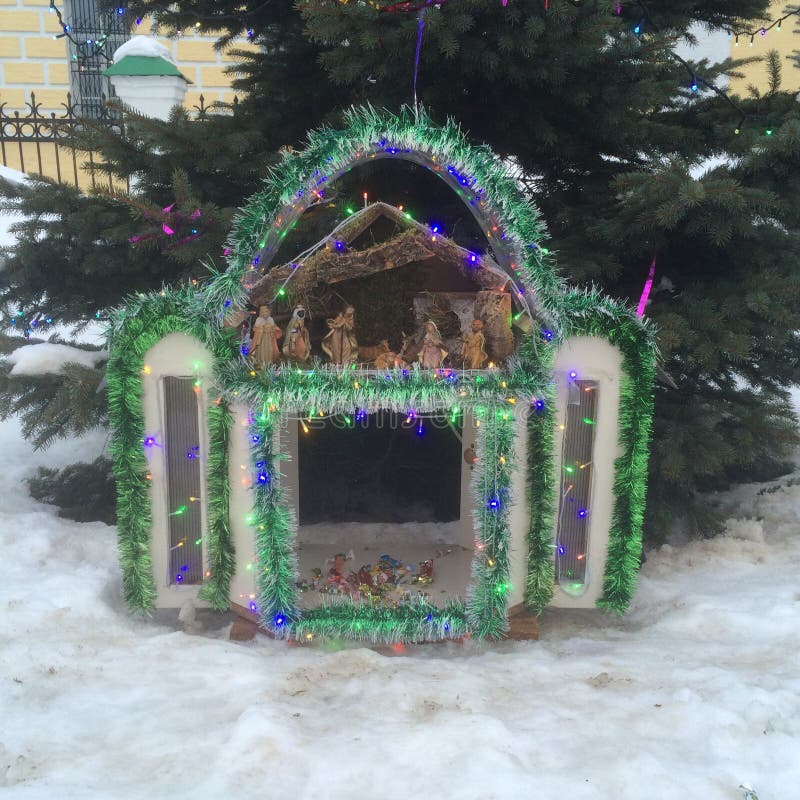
648, 285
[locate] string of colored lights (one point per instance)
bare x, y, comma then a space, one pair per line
764, 29
488, 494
487, 604
487, 601
567, 549
471, 259
93, 47
88, 47
408, 6
696, 79
251, 246
732, 32
219, 550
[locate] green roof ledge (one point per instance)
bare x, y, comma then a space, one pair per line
144, 65
143, 56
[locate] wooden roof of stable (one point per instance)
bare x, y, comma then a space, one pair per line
416, 243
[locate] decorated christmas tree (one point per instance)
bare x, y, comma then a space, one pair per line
646, 172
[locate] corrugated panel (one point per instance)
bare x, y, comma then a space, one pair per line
572, 540
183, 459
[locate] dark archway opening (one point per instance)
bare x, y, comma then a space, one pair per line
384, 467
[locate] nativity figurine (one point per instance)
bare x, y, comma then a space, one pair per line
473, 349
339, 343
264, 349
297, 343
432, 353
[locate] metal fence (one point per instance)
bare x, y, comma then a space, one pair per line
43, 143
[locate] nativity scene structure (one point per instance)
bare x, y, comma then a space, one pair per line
385, 436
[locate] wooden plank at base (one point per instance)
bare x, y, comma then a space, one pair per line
244, 613
523, 625
245, 626
243, 630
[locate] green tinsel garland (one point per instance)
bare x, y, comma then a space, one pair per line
417, 621
274, 532
509, 217
339, 390
542, 499
130, 470
487, 604
588, 313
485, 615
143, 322
220, 549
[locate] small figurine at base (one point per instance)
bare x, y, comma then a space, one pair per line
382, 584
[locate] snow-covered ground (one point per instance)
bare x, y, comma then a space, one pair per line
694, 692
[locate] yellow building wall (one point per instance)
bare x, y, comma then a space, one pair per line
33, 61
58, 163
785, 41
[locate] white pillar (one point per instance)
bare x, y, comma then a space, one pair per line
151, 95
146, 78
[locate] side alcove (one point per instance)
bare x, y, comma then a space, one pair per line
175, 376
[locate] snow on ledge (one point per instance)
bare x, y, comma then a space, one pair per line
12, 175
145, 46
49, 359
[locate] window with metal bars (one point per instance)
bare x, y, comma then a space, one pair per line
574, 513
94, 36
183, 463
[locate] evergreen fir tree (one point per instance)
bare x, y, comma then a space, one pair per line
610, 138
612, 131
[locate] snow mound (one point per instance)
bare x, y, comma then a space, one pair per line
750, 530
13, 175
49, 359
145, 46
